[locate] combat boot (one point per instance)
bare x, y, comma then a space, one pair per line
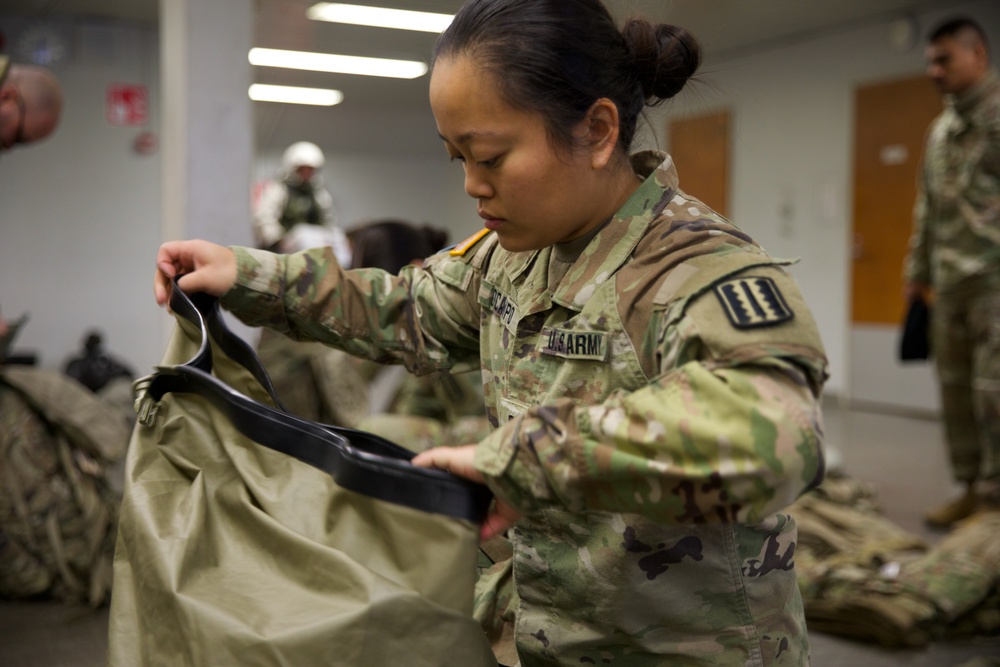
953, 511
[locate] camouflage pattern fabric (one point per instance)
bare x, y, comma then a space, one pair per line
437, 410
966, 343
653, 412
955, 248
58, 505
866, 578
446, 397
314, 381
327, 385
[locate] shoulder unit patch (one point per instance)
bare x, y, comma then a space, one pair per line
753, 302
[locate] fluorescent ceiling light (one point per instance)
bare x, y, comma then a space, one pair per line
292, 95
379, 17
328, 62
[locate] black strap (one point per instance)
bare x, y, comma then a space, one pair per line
358, 461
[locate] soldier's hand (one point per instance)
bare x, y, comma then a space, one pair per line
912, 291
459, 461
202, 267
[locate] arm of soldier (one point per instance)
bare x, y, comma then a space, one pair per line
267, 214
699, 444
409, 318
916, 272
326, 205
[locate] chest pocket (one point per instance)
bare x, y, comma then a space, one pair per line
554, 351
959, 158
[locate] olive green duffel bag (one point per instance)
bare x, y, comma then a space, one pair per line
332, 550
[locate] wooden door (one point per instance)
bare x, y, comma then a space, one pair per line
891, 121
700, 148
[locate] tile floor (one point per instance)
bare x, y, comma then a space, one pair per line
902, 456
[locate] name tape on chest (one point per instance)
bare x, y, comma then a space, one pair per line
503, 307
753, 302
591, 345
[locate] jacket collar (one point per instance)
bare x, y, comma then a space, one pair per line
611, 248
966, 101
608, 250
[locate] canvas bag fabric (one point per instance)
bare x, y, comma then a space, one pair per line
230, 553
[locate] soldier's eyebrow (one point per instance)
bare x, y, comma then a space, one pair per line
465, 137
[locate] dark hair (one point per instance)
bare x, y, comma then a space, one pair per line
558, 57
952, 27
392, 244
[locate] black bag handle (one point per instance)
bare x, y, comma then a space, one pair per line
359, 461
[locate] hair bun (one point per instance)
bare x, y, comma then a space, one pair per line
664, 57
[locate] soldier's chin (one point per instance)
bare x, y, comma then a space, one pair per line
516, 243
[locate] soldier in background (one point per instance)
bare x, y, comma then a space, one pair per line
30, 103
651, 375
295, 211
955, 252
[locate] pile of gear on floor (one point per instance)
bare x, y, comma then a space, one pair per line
63, 437
866, 578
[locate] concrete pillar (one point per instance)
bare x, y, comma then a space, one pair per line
207, 134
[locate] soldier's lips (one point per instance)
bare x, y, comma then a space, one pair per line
490, 222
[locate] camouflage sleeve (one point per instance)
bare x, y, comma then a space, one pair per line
917, 266
418, 318
715, 437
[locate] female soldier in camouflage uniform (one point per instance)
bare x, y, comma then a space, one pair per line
651, 374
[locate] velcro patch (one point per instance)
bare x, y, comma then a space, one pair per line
753, 302
591, 345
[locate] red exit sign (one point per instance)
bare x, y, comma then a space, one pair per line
127, 104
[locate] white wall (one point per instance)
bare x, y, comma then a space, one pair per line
792, 110
80, 212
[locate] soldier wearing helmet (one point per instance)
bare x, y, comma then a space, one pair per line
295, 211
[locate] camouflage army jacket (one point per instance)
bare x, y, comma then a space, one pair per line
957, 213
653, 412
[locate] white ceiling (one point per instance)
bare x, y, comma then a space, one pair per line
726, 28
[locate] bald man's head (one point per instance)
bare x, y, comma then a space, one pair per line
30, 105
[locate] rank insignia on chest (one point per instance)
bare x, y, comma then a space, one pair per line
753, 302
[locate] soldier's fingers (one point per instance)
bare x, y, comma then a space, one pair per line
436, 457
161, 282
168, 264
500, 518
456, 460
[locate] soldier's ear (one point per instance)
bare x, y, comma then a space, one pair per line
599, 130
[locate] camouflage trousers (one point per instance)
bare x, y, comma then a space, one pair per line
965, 338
